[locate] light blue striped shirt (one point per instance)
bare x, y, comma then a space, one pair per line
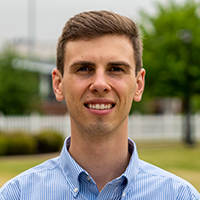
61, 178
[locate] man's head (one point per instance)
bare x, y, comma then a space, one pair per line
88, 25
99, 72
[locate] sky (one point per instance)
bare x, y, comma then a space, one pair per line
51, 15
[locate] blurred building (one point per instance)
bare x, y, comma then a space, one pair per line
39, 49
49, 104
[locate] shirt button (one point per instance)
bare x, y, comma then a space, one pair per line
75, 190
88, 178
124, 194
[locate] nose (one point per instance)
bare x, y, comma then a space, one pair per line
100, 83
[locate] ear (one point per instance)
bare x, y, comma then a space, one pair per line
57, 84
140, 82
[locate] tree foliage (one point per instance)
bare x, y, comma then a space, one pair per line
18, 88
171, 50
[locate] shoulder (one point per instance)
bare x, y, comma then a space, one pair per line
157, 177
12, 189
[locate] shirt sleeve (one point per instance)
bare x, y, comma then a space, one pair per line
10, 191
188, 193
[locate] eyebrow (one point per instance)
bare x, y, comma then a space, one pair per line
88, 63
119, 63
84, 63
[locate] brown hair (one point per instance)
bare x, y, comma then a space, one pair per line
93, 24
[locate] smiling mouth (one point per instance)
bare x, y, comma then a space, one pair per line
100, 106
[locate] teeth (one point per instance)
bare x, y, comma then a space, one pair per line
99, 106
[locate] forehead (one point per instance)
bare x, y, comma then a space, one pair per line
103, 47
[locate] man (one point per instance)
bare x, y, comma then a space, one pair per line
99, 73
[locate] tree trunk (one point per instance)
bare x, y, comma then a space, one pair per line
188, 133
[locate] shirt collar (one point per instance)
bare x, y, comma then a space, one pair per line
72, 170
133, 167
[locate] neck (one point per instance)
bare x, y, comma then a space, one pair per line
104, 159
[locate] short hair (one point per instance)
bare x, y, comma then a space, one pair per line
93, 24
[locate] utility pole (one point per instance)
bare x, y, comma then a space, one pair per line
31, 26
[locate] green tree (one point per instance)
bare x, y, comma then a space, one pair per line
18, 88
171, 54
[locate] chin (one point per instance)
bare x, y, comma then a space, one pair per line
99, 129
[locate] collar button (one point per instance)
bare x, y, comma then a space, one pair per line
75, 190
124, 194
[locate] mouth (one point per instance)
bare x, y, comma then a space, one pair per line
99, 106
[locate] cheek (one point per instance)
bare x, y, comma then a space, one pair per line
130, 92
74, 91
127, 90
125, 95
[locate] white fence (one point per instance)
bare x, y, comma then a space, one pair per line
141, 127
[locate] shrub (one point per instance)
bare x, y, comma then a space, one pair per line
21, 143
49, 141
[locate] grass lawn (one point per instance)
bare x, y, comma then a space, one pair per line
177, 158
174, 157
11, 166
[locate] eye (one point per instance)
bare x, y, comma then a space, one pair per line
116, 69
84, 69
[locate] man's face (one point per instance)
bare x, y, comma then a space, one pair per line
99, 83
